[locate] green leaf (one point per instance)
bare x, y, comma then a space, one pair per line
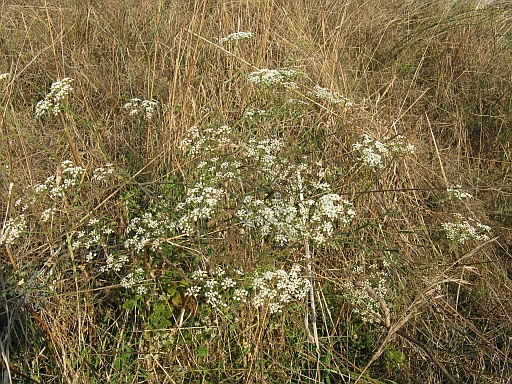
202, 351
130, 305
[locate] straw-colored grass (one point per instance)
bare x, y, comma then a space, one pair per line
397, 295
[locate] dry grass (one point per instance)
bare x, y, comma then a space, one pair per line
436, 71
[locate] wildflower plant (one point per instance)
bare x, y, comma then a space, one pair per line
299, 203
456, 192
13, 229
143, 109
273, 77
251, 219
377, 154
329, 96
366, 292
56, 203
463, 229
272, 290
236, 37
54, 101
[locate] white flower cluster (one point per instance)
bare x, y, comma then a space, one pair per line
34, 285
209, 139
102, 174
216, 171
302, 207
135, 279
201, 203
142, 108
252, 114
114, 262
330, 96
236, 36
265, 153
456, 192
13, 229
373, 153
146, 230
55, 187
48, 195
297, 102
357, 292
4, 76
213, 287
52, 103
48, 214
273, 289
289, 219
273, 77
300, 204
465, 229
91, 239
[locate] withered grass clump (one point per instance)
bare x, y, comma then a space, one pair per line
256, 192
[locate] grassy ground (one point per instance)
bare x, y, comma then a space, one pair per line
176, 214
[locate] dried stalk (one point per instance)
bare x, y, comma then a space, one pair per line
307, 253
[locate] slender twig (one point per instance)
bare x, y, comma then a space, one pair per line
70, 141
307, 254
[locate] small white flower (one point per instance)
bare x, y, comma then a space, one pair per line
251, 114
48, 214
463, 230
193, 290
272, 77
236, 36
457, 193
143, 108
12, 230
227, 283
328, 95
52, 103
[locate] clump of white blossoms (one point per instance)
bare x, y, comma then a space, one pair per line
4, 76
147, 230
364, 292
254, 114
465, 229
91, 240
57, 186
330, 96
236, 36
34, 285
102, 174
135, 279
302, 206
211, 139
273, 77
299, 205
145, 109
53, 101
13, 229
275, 289
212, 286
289, 219
373, 153
201, 203
456, 192
271, 289
48, 214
